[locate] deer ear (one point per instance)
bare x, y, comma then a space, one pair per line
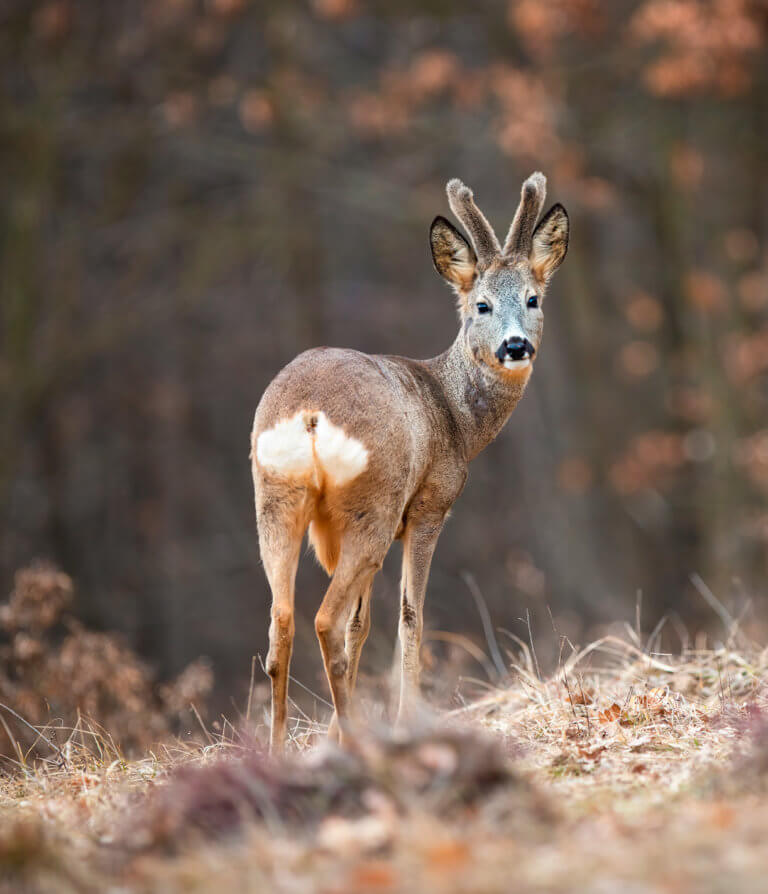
550, 243
453, 256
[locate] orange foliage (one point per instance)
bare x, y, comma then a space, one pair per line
753, 290
644, 312
746, 356
707, 44
647, 462
686, 165
705, 291
741, 245
335, 10
256, 110
638, 359
752, 455
574, 475
526, 125
542, 22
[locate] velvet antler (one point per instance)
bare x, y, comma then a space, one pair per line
532, 196
480, 231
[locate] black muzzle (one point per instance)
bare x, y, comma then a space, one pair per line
515, 348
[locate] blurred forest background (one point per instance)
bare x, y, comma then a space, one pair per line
194, 191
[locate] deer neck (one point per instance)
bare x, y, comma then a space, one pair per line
481, 402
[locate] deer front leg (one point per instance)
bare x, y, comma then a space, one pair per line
418, 546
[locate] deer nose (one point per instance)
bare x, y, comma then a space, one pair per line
515, 348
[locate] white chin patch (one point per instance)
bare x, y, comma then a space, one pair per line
516, 364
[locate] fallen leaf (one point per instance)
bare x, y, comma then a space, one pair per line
592, 753
722, 816
447, 856
372, 875
610, 714
582, 697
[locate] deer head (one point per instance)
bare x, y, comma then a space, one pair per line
501, 290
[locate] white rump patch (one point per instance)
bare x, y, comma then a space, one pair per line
286, 447
341, 457
308, 442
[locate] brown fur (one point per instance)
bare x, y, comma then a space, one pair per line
325, 537
420, 422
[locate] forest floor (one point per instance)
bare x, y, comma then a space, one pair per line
625, 771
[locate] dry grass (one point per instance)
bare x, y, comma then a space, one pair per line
623, 772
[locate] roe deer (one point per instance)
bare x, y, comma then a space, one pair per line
365, 449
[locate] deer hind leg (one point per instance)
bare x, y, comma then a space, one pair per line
418, 547
350, 587
358, 628
282, 523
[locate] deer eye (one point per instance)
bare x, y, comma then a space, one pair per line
533, 301
483, 308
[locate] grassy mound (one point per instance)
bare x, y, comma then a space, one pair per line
623, 771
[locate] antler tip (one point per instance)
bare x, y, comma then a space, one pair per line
536, 182
532, 196
456, 189
462, 202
